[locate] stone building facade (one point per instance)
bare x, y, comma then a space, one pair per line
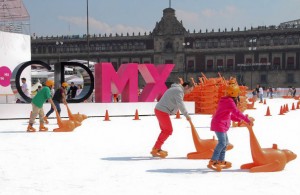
269, 56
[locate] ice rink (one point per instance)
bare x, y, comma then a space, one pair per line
113, 157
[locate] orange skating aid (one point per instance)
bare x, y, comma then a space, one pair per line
77, 118
267, 159
204, 148
64, 125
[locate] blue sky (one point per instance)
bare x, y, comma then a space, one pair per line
63, 17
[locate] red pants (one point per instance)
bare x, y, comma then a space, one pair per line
165, 126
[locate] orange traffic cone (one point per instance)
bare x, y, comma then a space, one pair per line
287, 107
268, 112
178, 115
281, 111
298, 106
293, 106
106, 116
265, 102
136, 117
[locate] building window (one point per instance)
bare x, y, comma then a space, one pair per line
290, 78
210, 64
50, 49
223, 43
290, 62
296, 40
263, 60
191, 65
228, 43
290, 40
197, 44
282, 40
248, 60
268, 41
210, 44
230, 64
275, 41
236, 42
168, 61
202, 44
220, 62
276, 63
263, 78
215, 43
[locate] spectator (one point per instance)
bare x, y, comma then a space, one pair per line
72, 91
79, 89
25, 90
293, 91
271, 92
261, 94
169, 103
58, 97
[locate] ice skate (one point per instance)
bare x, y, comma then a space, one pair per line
46, 120
214, 165
30, 128
159, 153
43, 128
225, 164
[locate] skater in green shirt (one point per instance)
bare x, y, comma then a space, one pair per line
37, 106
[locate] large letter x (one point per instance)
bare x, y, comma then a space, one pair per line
155, 78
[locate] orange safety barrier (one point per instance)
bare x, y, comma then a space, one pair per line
106, 116
293, 106
204, 148
136, 116
178, 115
266, 159
268, 112
281, 111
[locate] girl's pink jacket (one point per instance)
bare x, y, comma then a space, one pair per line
226, 111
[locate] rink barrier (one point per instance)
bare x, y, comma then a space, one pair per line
20, 111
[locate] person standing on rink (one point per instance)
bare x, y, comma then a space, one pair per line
37, 106
170, 102
58, 97
226, 111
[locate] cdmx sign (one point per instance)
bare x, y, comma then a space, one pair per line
107, 81
59, 77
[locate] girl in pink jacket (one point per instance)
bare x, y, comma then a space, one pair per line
226, 112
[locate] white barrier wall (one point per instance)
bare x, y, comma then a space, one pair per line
14, 50
14, 111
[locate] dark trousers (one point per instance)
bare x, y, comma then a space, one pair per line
57, 104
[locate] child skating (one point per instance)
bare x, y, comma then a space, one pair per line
226, 111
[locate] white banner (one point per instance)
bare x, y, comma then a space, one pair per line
14, 50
